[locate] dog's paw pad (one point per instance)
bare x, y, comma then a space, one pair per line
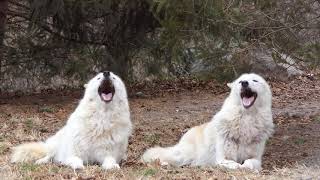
250, 167
230, 164
164, 164
77, 166
75, 163
110, 166
246, 166
42, 161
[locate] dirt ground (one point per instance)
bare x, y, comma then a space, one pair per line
160, 117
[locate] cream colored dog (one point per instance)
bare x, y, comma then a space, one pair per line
236, 135
96, 132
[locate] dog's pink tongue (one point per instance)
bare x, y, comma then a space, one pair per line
247, 101
106, 97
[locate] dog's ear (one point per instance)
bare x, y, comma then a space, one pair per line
230, 85
85, 86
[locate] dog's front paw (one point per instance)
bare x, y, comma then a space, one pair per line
76, 166
246, 166
75, 163
230, 164
110, 163
108, 166
164, 163
251, 164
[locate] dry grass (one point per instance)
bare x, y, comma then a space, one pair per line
31, 171
135, 170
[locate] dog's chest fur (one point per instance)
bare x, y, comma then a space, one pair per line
244, 128
107, 132
243, 133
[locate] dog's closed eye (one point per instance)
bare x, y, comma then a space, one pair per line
255, 80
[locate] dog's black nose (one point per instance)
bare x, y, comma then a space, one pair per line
106, 74
244, 84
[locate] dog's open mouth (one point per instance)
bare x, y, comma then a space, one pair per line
248, 97
106, 90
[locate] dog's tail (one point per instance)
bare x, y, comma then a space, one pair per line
29, 152
170, 155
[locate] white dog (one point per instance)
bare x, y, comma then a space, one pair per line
96, 132
236, 135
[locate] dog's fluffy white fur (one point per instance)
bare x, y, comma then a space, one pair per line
234, 138
96, 132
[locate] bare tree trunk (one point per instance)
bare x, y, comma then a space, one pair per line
3, 19
120, 62
125, 32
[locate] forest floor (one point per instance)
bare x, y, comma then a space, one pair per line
160, 116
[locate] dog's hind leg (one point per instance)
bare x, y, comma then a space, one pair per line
44, 160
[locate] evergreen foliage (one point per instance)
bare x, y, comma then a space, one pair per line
67, 35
